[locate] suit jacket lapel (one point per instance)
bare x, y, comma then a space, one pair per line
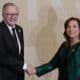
6, 31
19, 34
9, 38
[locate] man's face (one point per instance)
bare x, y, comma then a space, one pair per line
10, 15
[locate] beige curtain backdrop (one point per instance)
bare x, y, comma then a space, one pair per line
43, 25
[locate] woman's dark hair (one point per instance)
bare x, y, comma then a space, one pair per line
66, 25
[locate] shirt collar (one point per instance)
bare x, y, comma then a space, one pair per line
10, 27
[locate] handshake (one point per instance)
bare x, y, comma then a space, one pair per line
30, 70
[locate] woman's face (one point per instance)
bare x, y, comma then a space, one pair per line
73, 29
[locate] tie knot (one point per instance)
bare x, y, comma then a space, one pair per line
13, 29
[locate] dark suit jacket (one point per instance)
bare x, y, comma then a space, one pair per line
67, 60
11, 62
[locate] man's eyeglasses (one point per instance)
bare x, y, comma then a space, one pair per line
12, 14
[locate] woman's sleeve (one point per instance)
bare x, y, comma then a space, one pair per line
52, 64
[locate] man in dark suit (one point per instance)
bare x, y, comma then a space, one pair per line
12, 65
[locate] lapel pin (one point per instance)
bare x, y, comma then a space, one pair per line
73, 50
19, 30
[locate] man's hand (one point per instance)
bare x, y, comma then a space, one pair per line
30, 70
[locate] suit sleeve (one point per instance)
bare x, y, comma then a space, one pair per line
8, 61
52, 64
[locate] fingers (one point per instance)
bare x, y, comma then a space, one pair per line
31, 70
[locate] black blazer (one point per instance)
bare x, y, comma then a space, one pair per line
11, 62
